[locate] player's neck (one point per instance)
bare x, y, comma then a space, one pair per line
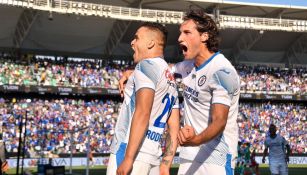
273, 136
154, 54
203, 57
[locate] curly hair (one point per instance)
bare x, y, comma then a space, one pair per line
205, 23
159, 28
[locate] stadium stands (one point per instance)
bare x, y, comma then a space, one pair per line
50, 122
256, 79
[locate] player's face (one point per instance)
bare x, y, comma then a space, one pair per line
190, 40
139, 43
272, 130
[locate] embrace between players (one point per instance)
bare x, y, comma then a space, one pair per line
211, 87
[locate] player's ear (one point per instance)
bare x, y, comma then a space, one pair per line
204, 37
151, 43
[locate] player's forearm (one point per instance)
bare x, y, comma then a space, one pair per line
171, 139
139, 126
265, 152
288, 150
212, 131
170, 150
216, 127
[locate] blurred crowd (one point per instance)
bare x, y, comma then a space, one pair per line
69, 74
53, 125
263, 79
256, 79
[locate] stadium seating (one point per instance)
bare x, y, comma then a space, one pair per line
50, 122
254, 79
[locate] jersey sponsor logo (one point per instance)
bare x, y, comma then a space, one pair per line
169, 75
190, 90
202, 80
190, 94
190, 97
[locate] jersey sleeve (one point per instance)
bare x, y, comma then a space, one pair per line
146, 75
224, 84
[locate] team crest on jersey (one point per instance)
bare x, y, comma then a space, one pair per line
202, 80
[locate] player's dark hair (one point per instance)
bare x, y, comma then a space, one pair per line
159, 28
205, 23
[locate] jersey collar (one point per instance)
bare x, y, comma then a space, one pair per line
206, 62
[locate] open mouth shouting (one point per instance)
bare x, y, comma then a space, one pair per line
184, 49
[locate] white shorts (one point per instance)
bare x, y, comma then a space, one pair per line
279, 168
139, 167
188, 167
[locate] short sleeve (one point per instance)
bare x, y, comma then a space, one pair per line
224, 84
146, 75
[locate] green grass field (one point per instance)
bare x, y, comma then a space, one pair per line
101, 170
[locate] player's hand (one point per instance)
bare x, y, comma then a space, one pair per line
186, 136
122, 82
125, 167
164, 170
263, 160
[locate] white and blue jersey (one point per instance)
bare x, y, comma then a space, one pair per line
155, 74
215, 81
277, 147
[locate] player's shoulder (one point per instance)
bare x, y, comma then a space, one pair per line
151, 68
280, 137
152, 64
221, 62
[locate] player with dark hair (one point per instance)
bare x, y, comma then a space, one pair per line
211, 90
150, 97
279, 151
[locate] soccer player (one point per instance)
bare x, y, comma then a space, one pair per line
211, 88
276, 145
149, 97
